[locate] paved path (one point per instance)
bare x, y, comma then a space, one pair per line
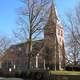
10, 79
1, 78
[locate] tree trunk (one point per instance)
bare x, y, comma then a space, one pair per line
29, 50
75, 62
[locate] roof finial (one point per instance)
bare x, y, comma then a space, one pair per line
52, 2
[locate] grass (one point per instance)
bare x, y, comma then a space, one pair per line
65, 72
11, 79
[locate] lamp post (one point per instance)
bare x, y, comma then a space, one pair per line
10, 69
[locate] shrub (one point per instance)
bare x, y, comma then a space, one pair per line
17, 73
27, 74
72, 68
40, 75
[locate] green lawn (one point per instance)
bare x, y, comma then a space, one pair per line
11, 79
65, 72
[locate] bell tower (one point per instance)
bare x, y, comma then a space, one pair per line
54, 40
50, 39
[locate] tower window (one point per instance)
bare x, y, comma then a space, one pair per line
58, 31
60, 40
61, 33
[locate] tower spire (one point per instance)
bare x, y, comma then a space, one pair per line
52, 14
53, 7
52, 2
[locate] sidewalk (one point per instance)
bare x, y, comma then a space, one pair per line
10, 78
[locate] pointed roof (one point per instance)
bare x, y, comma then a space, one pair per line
52, 13
50, 27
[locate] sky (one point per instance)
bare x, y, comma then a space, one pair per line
8, 13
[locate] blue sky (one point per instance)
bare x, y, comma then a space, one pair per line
8, 14
65, 6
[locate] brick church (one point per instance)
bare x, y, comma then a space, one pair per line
48, 53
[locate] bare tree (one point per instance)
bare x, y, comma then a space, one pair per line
32, 19
73, 35
4, 44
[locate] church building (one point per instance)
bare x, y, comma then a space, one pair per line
48, 53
